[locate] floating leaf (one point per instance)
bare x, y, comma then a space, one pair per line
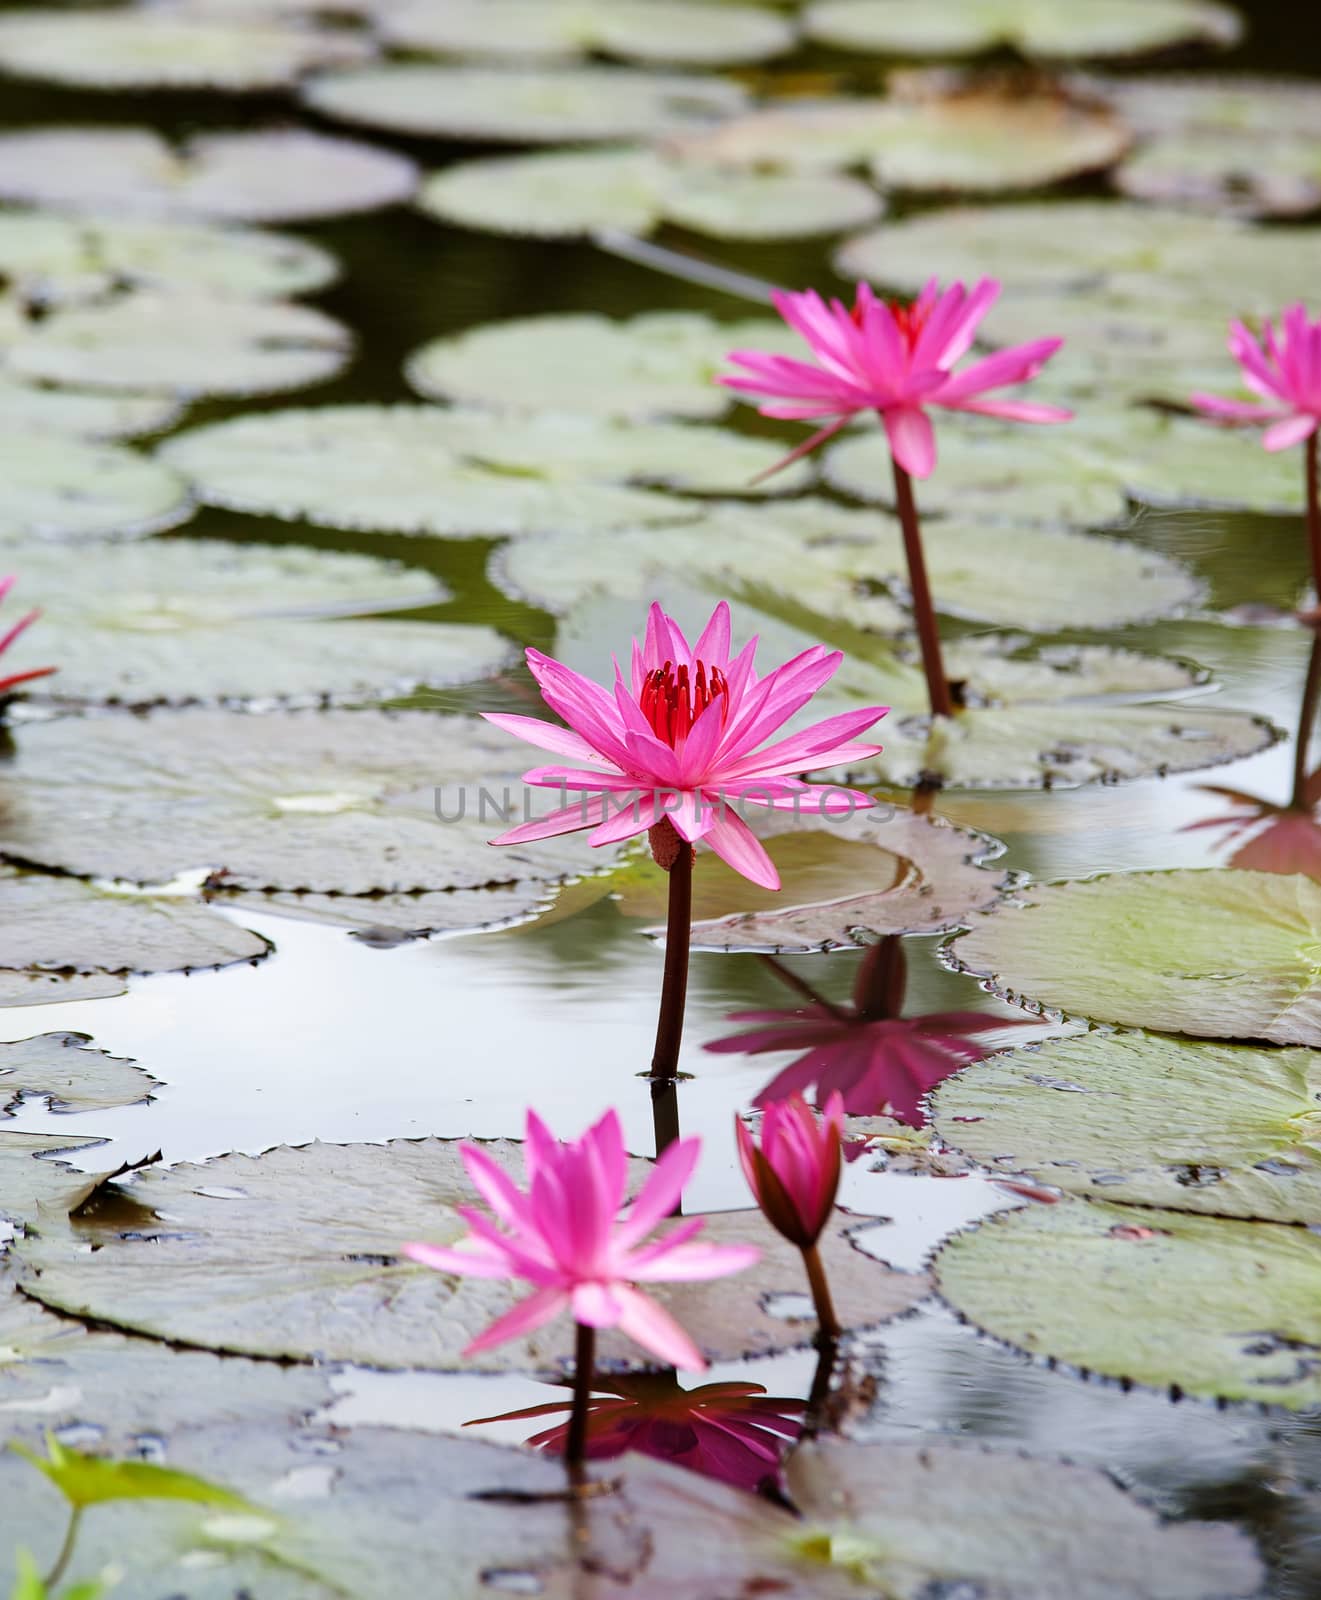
184, 344
68, 489
528, 107
1226, 173
1142, 1119
1172, 102
243, 1274
336, 800
1205, 1305
85, 413
62, 925
659, 364
261, 175
1220, 953
662, 31
385, 920
36, 1186
154, 49
47, 988
563, 193
60, 1068
960, 27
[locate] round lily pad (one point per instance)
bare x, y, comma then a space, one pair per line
184, 344
325, 801
522, 107
679, 32
50, 257
61, 1068
1095, 28
1221, 953
1177, 102
85, 413
564, 193
29, 988
145, 48
1204, 1305
1227, 173
1144, 1119
195, 619
69, 489
243, 1274
660, 364
37, 1186
383, 921
258, 175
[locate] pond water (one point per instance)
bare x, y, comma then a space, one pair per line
349, 1040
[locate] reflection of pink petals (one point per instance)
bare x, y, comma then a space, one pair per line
1285, 839
1284, 370
10, 636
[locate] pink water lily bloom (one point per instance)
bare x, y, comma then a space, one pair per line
7, 684
566, 1237
795, 1171
682, 738
1285, 370
894, 359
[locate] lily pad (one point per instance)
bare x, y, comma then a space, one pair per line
60, 1067
1220, 953
84, 413
528, 107
58, 926
326, 801
145, 48
258, 175
67, 489
1142, 1119
1174, 102
565, 193
1226, 173
660, 364
1203, 1305
184, 344
1085, 28
49, 257
678, 32
54, 988
243, 1274
383, 921
38, 1187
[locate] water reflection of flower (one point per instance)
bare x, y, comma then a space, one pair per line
732, 1431
1275, 838
10, 683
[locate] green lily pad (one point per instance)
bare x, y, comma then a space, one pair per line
678, 32
84, 413
325, 801
1142, 1119
560, 194
258, 175
1221, 953
58, 925
184, 344
1094, 28
1203, 1305
49, 257
154, 49
1174, 102
60, 1067
660, 364
1226, 174
241, 1273
195, 619
37, 1187
385, 920
522, 107
67, 489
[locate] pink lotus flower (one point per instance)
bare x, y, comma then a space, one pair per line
1276, 838
6, 639
730, 1431
680, 741
1284, 371
895, 359
795, 1173
565, 1237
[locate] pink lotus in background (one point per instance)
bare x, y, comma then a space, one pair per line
1276, 838
1285, 371
894, 359
681, 739
565, 1236
795, 1172
731, 1431
7, 685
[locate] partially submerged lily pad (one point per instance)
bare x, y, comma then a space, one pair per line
325, 801
1203, 1305
242, 1273
54, 988
61, 1068
679, 32
522, 107
36, 1186
564, 193
1094, 28
66, 489
147, 48
258, 175
662, 363
383, 921
1143, 1119
1219, 953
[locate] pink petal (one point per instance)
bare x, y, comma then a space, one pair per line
1013, 410
656, 1330
660, 1194
545, 735
1218, 406
584, 813
596, 1304
696, 1263
1293, 430
912, 440
1015, 365
527, 1316
735, 843
461, 1263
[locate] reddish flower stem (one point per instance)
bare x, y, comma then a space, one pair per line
825, 1306
924, 611
674, 995
802, 987
1313, 513
584, 1361
1306, 721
